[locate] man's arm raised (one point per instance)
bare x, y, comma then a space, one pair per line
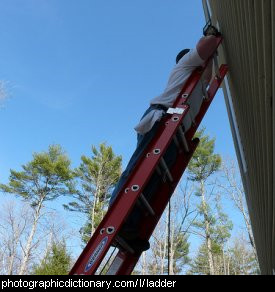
206, 46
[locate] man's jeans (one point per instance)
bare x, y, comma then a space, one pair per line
131, 224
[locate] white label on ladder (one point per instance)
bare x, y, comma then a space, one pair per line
176, 110
96, 254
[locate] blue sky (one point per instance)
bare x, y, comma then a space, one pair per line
81, 72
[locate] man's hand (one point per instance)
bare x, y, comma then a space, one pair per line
211, 30
206, 46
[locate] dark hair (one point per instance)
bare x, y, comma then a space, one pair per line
181, 54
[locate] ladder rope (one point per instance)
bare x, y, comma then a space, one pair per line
169, 234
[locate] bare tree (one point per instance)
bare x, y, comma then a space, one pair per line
242, 258
183, 214
232, 186
238, 258
14, 225
159, 248
52, 230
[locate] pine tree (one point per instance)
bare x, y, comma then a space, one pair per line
43, 179
97, 176
200, 264
57, 261
214, 228
180, 251
237, 259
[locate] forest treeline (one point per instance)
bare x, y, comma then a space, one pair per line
34, 239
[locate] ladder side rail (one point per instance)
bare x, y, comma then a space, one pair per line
178, 168
99, 244
213, 88
165, 191
115, 216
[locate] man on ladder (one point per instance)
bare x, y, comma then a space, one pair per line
186, 62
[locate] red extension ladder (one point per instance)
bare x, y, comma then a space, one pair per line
152, 160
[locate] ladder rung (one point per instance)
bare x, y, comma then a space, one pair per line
205, 92
176, 141
147, 205
114, 266
190, 112
183, 139
158, 170
216, 65
161, 174
124, 244
167, 171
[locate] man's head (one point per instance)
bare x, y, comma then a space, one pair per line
181, 54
